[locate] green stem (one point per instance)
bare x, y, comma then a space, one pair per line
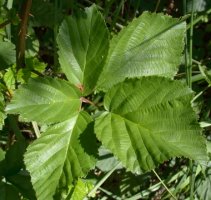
164, 185
157, 5
56, 5
8, 27
190, 51
92, 192
189, 78
198, 19
36, 129
200, 77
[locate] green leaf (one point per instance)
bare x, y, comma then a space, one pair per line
81, 189
106, 161
148, 121
59, 156
203, 185
22, 182
2, 154
40, 18
2, 114
151, 45
83, 46
7, 54
8, 192
45, 100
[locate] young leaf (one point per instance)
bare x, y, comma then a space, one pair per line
45, 100
151, 45
83, 46
149, 120
59, 156
7, 54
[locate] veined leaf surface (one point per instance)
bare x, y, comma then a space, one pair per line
58, 157
151, 45
149, 120
45, 100
83, 46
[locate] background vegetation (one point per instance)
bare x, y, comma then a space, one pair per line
29, 32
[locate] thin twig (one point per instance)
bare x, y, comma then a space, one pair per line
157, 5
2, 25
164, 185
36, 129
92, 192
21, 45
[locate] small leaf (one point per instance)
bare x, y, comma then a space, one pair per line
7, 54
2, 114
81, 189
148, 121
151, 45
45, 100
83, 46
58, 156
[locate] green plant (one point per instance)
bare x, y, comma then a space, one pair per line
147, 117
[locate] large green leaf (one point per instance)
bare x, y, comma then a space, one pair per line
148, 121
59, 156
45, 100
151, 45
7, 54
83, 46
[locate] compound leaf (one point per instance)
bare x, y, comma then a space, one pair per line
83, 46
148, 121
151, 45
58, 156
45, 100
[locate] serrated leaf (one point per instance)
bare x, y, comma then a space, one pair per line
151, 45
45, 100
148, 121
58, 156
81, 189
7, 54
83, 45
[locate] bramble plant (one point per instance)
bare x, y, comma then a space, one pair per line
147, 117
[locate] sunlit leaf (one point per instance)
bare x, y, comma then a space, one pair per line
45, 100
151, 45
83, 45
60, 155
148, 121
